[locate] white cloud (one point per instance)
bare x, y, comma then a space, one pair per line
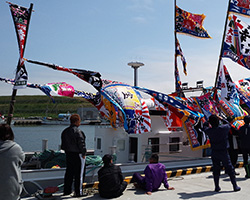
142, 5
139, 20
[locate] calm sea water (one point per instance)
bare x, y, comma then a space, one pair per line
30, 137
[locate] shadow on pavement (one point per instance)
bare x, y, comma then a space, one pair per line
193, 195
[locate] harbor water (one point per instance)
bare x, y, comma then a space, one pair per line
30, 137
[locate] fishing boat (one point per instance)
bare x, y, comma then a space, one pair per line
137, 128
131, 152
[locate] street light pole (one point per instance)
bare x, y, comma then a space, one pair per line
135, 66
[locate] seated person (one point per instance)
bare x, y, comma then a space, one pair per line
111, 183
155, 174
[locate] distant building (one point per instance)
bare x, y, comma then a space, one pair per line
88, 113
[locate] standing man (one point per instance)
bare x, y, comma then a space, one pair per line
73, 143
245, 143
218, 135
155, 174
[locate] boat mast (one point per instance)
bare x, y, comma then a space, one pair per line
222, 44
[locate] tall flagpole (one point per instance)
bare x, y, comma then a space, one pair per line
176, 71
175, 44
14, 92
222, 44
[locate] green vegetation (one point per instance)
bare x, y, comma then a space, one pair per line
27, 106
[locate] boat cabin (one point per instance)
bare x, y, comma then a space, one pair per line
169, 145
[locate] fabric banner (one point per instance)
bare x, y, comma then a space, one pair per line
167, 99
241, 7
227, 86
229, 109
46, 90
178, 88
192, 104
238, 123
126, 104
237, 41
106, 108
136, 111
108, 104
207, 105
91, 77
106, 82
189, 23
197, 138
191, 119
8, 80
245, 99
171, 120
60, 88
21, 17
244, 84
244, 93
180, 53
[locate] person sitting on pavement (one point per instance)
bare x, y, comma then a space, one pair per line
155, 174
245, 143
111, 182
218, 135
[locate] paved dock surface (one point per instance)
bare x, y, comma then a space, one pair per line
194, 186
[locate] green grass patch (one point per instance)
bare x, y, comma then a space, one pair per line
42, 106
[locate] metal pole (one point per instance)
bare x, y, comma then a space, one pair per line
135, 66
222, 44
135, 76
11, 108
44, 145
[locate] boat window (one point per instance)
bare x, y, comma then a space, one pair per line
174, 144
154, 142
121, 145
99, 143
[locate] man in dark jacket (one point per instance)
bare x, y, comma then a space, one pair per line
111, 183
73, 143
245, 144
218, 135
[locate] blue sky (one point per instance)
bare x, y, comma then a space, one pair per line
105, 35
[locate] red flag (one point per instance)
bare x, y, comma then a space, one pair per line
189, 23
21, 17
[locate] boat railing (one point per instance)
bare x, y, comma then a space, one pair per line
161, 149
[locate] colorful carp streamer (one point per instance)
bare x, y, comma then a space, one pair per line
60, 88
118, 102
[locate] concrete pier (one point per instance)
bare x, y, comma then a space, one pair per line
195, 186
27, 121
